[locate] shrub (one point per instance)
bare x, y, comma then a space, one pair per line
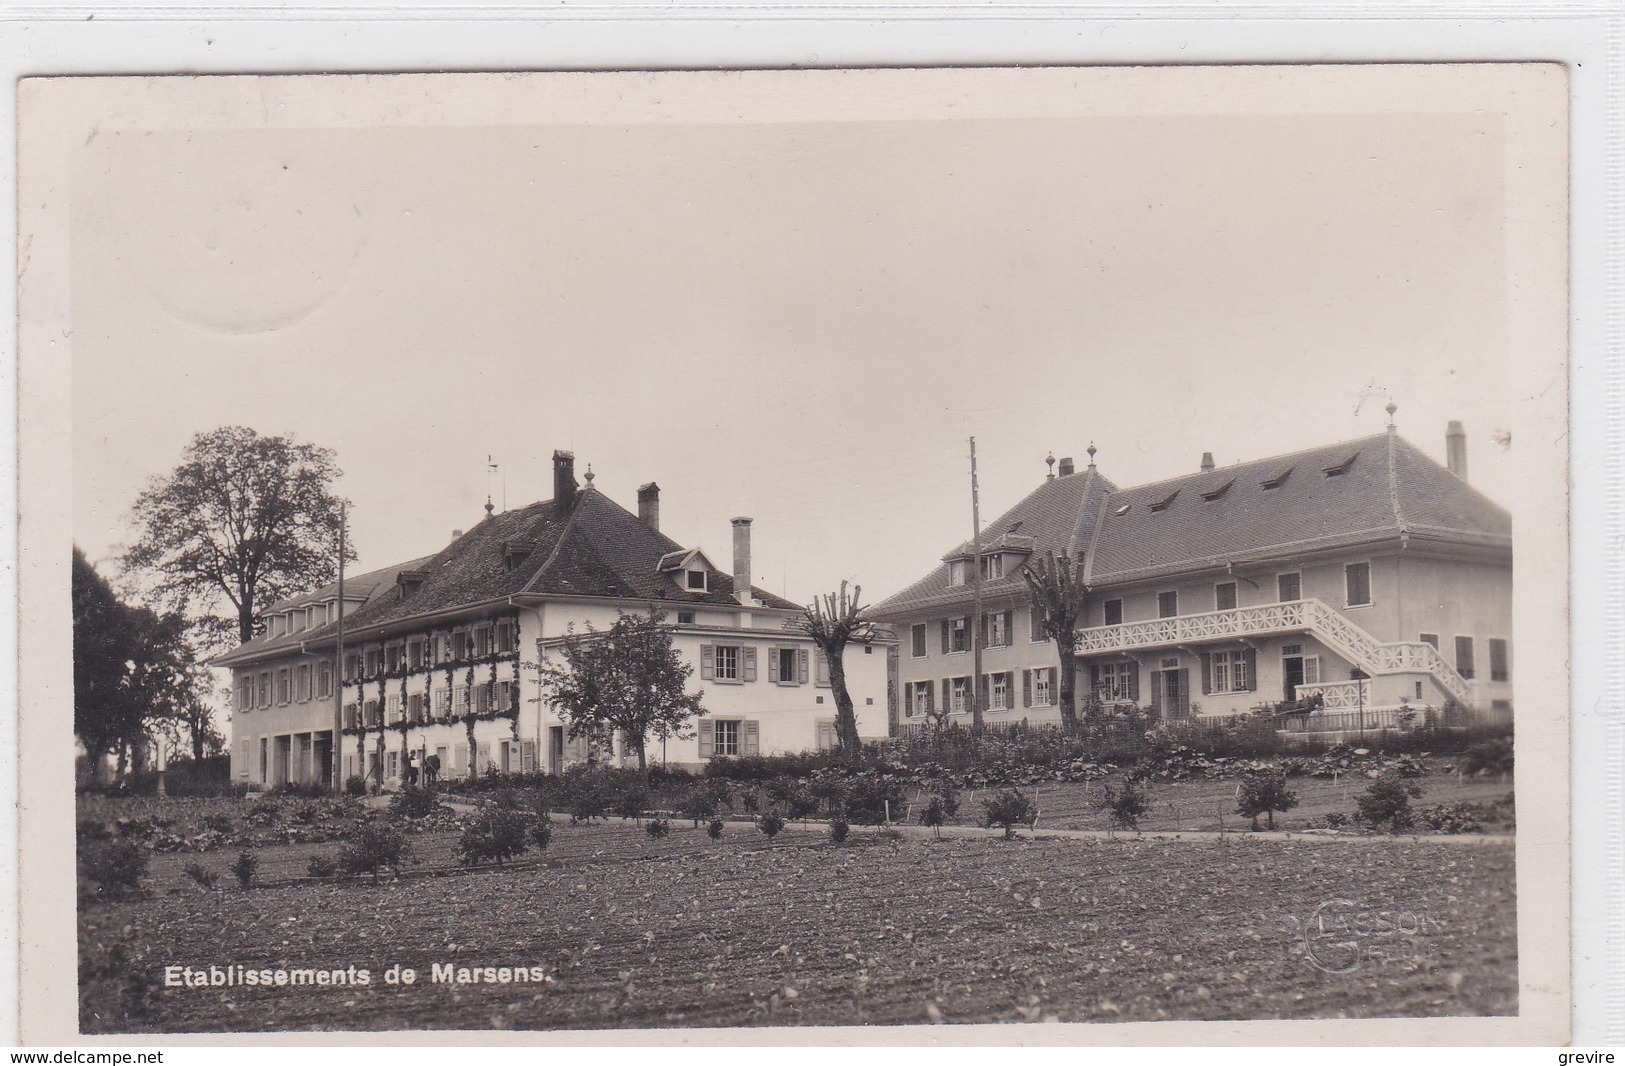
355, 786
714, 830
201, 874
799, 803
699, 804
89, 830
322, 866
219, 823
1009, 808
1489, 757
949, 796
631, 802
307, 814
413, 801
1387, 803
771, 824
495, 835
1264, 792
115, 867
657, 828
244, 868
1125, 805
1337, 820
541, 832
1452, 818
870, 795
371, 847
933, 815
838, 829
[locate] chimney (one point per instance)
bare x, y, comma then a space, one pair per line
1455, 449
564, 477
649, 506
1207, 461
1066, 467
456, 533
742, 560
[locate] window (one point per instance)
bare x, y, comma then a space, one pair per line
1162, 504
461, 700
726, 737
998, 629
1289, 587
1229, 672
324, 679
685, 618
998, 693
442, 702
727, 663
1167, 604
1114, 612
788, 666
727, 668
349, 716
394, 656
916, 636
303, 691
1114, 681
1224, 596
957, 571
1430, 638
459, 644
919, 698
1035, 626
375, 661
484, 640
284, 686
262, 698
1357, 583
1276, 480
1464, 656
414, 707
352, 667
1500, 664
960, 695
1041, 692
415, 653
992, 567
695, 580
957, 630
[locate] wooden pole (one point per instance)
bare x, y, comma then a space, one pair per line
336, 748
976, 722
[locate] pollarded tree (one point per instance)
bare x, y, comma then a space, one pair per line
834, 621
244, 520
628, 679
1055, 583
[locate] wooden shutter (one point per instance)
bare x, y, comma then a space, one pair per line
1026, 688
773, 665
945, 636
970, 631
801, 666
527, 756
1054, 690
930, 696
708, 662
821, 669
748, 669
1207, 673
1182, 705
1134, 682
1009, 633
947, 694
1250, 657
1094, 678
750, 739
708, 738
981, 632
1156, 690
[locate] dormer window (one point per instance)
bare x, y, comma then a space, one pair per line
1276, 480
1339, 469
1218, 490
992, 567
1162, 504
695, 580
278, 623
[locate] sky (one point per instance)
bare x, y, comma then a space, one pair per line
802, 322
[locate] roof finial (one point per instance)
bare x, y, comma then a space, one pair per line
1091, 451
489, 507
1391, 408
1050, 461
588, 475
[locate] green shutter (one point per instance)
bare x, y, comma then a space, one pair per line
708, 738
708, 662
748, 654
750, 741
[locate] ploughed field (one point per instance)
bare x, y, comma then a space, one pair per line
626, 931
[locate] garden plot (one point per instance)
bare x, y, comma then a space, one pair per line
634, 932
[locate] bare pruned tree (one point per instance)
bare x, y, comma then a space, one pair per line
833, 621
1058, 597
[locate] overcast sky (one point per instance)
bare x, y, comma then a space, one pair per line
800, 322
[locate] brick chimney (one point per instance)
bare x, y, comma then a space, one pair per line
1455, 449
1066, 467
564, 477
649, 505
1207, 461
742, 560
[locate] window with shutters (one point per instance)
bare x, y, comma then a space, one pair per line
462, 700
727, 663
394, 709
352, 667
958, 634
725, 736
394, 657
1114, 681
375, 661
442, 702
1114, 612
919, 699
1036, 632
1230, 672
998, 692
1041, 692
262, 697
788, 666
998, 629
1224, 596
917, 640
245, 694
349, 716
416, 653
324, 679
1167, 604
961, 695
1464, 657
507, 636
284, 686
1289, 587
1357, 584
1500, 660
414, 707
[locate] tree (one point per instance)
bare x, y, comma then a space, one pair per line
629, 680
133, 671
1265, 792
1058, 597
833, 622
245, 520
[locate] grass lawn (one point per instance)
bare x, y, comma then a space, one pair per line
684, 932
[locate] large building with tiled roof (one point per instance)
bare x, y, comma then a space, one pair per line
438, 652
1361, 578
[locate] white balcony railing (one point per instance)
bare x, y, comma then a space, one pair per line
1315, 617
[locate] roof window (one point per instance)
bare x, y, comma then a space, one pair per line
1214, 493
1339, 469
1123, 510
1277, 480
1162, 504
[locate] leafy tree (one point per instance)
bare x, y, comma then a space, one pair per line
244, 520
133, 671
629, 680
833, 622
1125, 805
1009, 808
372, 847
1388, 802
1265, 793
1059, 594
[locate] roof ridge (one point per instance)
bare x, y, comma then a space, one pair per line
1393, 481
1251, 462
558, 545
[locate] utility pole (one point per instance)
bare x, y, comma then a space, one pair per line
975, 635
336, 753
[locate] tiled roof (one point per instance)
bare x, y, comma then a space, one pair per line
1387, 486
1051, 516
597, 548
